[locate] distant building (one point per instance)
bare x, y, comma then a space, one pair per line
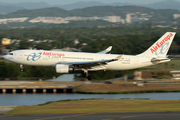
128, 19
6, 41
30, 40
84, 44
5, 21
113, 19
176, 16
55, 20
59, 20
139, 19
76, 41
123, 21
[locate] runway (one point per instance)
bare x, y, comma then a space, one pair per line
98, 116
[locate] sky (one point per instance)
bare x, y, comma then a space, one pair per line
63, 2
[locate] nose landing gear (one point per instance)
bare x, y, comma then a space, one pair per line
21, 66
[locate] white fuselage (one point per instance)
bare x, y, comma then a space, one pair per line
51, 58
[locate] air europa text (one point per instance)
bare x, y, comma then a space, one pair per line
159, 44
53, 54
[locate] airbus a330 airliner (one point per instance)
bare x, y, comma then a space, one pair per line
71, 62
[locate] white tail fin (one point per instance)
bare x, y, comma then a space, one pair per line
160, 48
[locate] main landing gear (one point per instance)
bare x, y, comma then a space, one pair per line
86, 74
21, 66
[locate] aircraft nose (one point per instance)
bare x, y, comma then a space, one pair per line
5, 56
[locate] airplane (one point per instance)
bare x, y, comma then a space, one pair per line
72, 62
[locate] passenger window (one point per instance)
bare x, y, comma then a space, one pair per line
10, 53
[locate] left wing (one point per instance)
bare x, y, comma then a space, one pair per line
90, 63
106, 50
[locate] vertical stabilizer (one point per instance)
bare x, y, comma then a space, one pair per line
160, 48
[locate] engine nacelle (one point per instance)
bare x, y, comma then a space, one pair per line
64, 69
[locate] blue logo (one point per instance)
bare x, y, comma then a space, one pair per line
163, 49
34, 56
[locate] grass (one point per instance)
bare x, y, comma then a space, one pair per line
128, 92
127, 89
99, 106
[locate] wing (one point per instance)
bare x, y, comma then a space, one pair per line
105, 51
89, 64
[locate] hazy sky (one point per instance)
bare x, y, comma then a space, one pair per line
62, 2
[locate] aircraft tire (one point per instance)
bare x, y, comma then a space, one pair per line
89, 77
84, 74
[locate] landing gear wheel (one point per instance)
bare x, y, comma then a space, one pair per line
89, 77
84, 74
21, 66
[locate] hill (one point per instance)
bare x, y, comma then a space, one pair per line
85, 12
37, 12
80, 5
91, 16
32, 5
99, 11
167, 4
110, 10
6, 8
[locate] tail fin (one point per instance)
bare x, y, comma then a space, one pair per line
160, 48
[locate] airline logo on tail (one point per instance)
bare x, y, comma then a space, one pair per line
164, 47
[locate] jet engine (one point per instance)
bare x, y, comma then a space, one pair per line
64, 69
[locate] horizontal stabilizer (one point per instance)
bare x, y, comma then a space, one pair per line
160, 60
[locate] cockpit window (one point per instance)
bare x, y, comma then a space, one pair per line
10, 53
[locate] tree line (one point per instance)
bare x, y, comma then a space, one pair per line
12, 71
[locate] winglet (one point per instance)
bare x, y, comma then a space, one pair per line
109, 48
106, 50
